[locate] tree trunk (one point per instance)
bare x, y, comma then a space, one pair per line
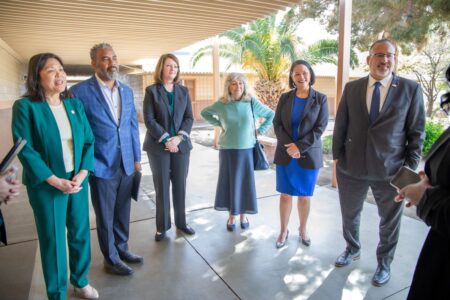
269, 91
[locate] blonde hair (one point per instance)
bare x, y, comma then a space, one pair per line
157, 76
226, 98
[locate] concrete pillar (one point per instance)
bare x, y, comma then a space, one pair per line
216, 80
345, 22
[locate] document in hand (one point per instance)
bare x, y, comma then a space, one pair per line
136, 183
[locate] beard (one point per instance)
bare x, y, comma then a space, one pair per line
112, 73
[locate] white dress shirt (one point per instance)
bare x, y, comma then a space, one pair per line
112, 97
384, 88
65, 132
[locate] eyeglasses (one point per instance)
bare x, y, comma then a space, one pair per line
445, 103
383, 55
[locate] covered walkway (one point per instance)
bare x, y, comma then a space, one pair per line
214, 263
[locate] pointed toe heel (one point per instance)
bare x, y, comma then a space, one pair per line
281, 244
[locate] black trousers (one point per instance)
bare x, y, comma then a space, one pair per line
169, 168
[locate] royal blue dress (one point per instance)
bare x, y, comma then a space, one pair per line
293, 179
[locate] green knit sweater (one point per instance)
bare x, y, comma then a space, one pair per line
236, 120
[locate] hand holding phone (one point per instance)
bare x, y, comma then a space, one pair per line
11, 174
404, 177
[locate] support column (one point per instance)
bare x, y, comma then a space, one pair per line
216, 81
345, 22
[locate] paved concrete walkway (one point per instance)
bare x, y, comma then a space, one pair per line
217, 264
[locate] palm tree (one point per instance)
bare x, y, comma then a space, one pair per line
268, 49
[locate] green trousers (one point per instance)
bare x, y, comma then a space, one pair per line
55, 211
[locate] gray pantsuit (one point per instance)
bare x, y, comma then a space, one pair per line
352, 194
169, 168
369, 153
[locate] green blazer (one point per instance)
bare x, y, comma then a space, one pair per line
42, 156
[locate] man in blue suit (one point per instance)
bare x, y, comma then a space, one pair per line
109, 106
379, 128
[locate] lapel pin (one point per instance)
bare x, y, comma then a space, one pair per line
73, 112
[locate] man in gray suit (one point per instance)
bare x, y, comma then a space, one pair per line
379, 128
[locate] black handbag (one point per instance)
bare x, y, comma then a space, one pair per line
259, 156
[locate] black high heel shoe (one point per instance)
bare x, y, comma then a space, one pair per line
306, 242
281, 244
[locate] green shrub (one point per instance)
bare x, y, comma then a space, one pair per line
432, 131
327, 143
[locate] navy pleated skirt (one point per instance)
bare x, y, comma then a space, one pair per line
236, 190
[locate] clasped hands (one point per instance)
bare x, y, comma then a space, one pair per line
68, 186
172, 144
293, 150
413, 193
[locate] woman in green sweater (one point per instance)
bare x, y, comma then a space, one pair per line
236, 191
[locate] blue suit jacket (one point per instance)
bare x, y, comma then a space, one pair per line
113, 143
313, 124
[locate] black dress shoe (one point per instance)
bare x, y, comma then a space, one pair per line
188, 230
119, 268
159, 236
381, 276
131, 257
346, 258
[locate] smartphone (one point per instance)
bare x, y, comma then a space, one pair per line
13, 176
403, 177
4, 165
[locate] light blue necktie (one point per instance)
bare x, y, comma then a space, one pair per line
375, 104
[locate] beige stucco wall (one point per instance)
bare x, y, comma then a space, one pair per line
204, 88
12, 72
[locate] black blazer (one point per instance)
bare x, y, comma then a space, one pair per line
313, 123
432, 273
158, 119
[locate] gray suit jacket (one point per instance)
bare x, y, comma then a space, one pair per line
376, 151
313, 124
158, 119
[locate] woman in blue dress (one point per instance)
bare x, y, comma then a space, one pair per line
300, 119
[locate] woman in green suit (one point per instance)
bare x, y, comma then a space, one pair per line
56, 162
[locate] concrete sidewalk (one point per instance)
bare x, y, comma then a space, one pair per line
217, 264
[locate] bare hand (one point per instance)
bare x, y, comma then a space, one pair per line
172, 144
8, 188
293, 150
78, 179
137, 166
413, 193
64, 185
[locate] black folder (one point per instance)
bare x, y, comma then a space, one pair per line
136, 183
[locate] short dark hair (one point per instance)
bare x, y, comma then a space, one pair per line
95, 48
384, 41
35, 91
157, 76
306, 64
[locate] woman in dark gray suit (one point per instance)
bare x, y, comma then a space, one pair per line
168, 118
300, 119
